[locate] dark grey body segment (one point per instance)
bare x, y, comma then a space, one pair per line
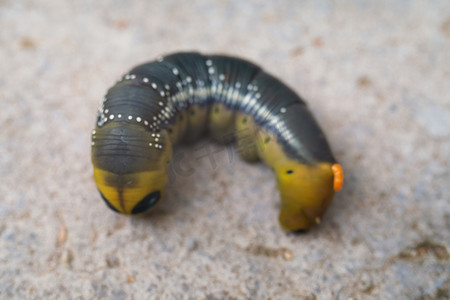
151, 95
124, 149
192, 73
230, 74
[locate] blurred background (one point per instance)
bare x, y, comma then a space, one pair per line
375, 75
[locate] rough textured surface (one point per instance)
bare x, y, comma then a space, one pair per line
376, 75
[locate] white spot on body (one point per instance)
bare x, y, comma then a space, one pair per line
138, 119
283, 110
145, 80
130, 117
154, 85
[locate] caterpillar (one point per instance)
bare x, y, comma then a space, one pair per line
181, 96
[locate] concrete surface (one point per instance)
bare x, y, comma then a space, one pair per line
376, 75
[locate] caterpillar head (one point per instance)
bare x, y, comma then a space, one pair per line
130, 166
306, 192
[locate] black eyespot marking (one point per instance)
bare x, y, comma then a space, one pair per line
192, 112
108, 203
244, 120
289, 171
267, 140
216, 110
169, 130
148, 202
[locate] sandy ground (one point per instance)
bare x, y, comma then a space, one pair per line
375, 74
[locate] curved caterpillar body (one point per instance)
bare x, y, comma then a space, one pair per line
179, 97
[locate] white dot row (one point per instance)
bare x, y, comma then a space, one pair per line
162, 116
153, 84
158, 146
156, 137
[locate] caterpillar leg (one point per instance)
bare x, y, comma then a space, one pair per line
221, 123
178, 128
197, 120
246, 135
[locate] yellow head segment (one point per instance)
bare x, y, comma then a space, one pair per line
134, 193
